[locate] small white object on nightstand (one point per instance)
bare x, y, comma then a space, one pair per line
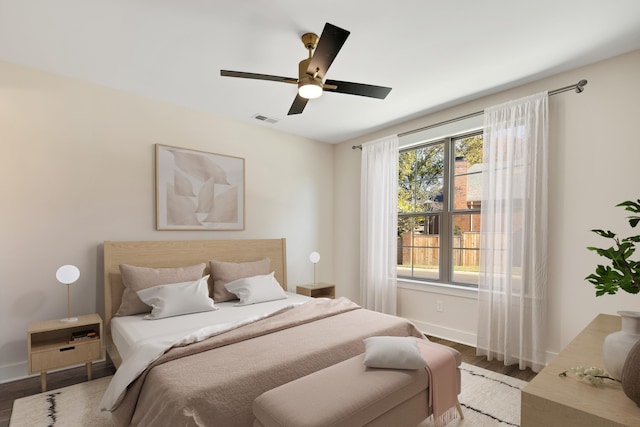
68, 274
314, 258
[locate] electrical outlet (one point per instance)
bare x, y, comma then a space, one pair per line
439, 306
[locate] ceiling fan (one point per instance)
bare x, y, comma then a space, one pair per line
311, 71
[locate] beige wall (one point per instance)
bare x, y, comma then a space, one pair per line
594, 164
77, 168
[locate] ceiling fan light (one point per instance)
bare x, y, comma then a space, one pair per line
310, 90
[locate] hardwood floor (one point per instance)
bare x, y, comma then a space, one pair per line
469, 356
26, 387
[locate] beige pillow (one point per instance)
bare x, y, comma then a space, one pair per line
138, 278
225, 272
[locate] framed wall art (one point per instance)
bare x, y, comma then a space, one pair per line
196, 190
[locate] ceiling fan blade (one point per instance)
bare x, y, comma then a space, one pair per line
361, 89
241, 74
298, 105
330, 43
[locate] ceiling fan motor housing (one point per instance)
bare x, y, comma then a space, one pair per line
310, 41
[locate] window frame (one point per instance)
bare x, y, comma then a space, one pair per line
446, 216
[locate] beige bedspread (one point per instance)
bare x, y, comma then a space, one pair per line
213, 383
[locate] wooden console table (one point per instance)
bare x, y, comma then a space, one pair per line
550, 400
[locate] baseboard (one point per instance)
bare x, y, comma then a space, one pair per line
450, 334
13, 372
458, 336
549, 357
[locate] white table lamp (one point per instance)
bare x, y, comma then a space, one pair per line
68, 274
314, 258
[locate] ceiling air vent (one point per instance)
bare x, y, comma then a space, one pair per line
263, 118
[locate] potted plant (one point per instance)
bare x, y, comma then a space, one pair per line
623, 273
620, 273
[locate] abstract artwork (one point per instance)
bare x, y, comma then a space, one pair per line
196, 190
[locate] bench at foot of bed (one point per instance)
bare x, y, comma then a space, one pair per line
347, 394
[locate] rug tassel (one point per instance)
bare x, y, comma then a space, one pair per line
449, 415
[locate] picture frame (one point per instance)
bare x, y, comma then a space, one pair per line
197, 190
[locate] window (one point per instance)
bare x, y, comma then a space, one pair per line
439, 193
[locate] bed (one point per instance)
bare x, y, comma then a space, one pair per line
214, 381
176, 253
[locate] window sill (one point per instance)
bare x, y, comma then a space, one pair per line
439, 288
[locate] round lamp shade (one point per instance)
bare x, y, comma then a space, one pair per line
310, 91
67, 274
314, 257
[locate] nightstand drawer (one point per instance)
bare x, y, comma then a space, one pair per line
71, 354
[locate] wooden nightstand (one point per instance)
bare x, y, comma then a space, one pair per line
317, 290
48, 345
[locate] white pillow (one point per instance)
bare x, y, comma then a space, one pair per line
393, 353
256, 289
177, 298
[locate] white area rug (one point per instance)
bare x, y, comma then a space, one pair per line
488, 399
73, 406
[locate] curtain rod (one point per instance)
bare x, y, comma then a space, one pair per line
579, 87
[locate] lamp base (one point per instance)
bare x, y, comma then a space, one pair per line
69, 319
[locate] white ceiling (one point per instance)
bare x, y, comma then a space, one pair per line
433, 53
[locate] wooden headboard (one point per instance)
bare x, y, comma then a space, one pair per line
180, 253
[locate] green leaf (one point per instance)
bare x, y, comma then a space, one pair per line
630, 206
603, 252
608, 234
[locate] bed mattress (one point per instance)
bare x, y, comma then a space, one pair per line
127, 331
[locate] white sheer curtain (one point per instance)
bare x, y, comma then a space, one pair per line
513, 244
378, 224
